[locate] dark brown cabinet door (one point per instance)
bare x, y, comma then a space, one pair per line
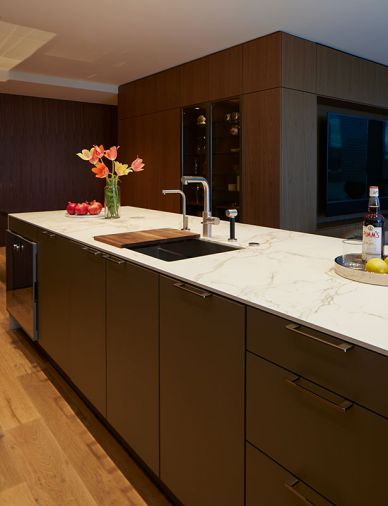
261, 171
133, 357
156, 138
53, 301
201, 395
262, 63
86, 338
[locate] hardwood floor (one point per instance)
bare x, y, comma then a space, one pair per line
53, 450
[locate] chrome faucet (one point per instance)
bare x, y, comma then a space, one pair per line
185, 219
207, 219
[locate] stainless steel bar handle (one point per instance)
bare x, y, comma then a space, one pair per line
46, 232
342, 407
192, 289
294, 327
291, 486
91, 251
114, 260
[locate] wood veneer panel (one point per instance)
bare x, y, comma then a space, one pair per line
168, 89
195, 81
262, 63
298, 63
127, 100
298, 175
156, 137
39, 139
146, 95
151, 94
261, 148
340, 75
226, 73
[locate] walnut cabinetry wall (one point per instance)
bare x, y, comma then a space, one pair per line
278, 78
53, 130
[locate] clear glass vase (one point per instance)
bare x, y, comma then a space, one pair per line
112, 200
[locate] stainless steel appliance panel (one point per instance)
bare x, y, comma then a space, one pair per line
21, 296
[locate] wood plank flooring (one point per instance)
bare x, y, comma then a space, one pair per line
53, 450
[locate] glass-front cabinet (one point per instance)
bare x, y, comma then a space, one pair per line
211, 148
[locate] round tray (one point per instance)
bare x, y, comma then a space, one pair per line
352, 267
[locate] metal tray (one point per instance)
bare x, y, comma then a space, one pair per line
352, 267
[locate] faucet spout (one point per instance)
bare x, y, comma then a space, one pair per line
208, 220
185, 220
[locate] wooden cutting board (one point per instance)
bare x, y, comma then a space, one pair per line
143, 237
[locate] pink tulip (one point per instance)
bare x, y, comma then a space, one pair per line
99, 150
111, 153
137, 165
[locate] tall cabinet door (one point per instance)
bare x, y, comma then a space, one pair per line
201, 395
87, 323
53, 306
156, 138
133, 357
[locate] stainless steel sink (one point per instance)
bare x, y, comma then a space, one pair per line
180, 250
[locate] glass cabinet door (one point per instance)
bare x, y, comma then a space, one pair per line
211, 145
226, 157
195, 153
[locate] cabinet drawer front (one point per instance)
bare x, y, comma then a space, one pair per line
269, 484
337, 447
351, 371
23, 228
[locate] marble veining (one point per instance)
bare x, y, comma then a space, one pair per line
290, 274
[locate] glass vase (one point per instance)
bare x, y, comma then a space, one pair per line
112, 200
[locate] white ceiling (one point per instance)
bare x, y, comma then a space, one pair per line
101, 44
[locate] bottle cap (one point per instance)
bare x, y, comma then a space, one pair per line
373, 191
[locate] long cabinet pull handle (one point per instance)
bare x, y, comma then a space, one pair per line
191, 289
342, 406
294, 327
114, 260
46, 232
291, 486
91, 251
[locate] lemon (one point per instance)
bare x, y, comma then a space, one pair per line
386, 260
377, 265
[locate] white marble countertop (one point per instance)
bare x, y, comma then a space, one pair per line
290, 274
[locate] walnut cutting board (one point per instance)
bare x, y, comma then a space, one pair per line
143, 237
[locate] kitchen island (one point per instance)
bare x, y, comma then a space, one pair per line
258, 364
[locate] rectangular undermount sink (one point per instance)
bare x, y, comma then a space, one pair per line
181, 250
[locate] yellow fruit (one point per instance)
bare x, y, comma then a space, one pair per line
386, 260
377, 265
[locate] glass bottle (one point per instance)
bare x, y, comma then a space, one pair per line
373, 228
